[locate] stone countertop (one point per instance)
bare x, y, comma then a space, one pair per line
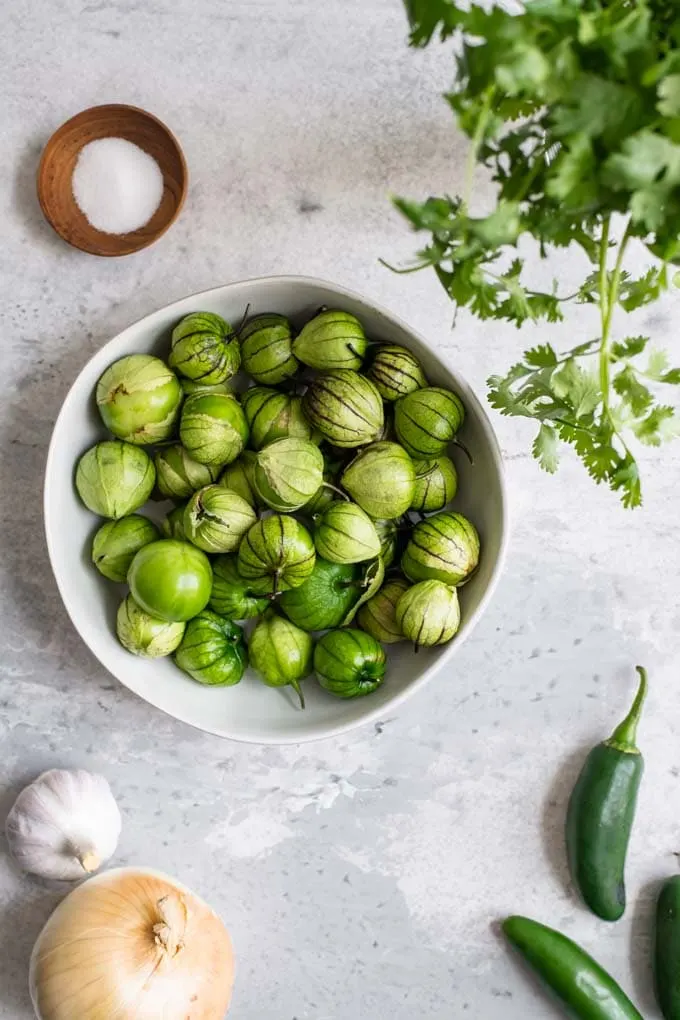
361, 877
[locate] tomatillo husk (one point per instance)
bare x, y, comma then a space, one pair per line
381, 479
273, 415
378, 616
266, 349
216, 519
139, 399
344, 533
213, 428
427, 420
332, 339
345, 407
428, 613
205, 348
288, 473
277, 553
436, 484
395, 371
444, 547
281, 653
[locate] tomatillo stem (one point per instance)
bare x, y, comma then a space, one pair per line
328, 485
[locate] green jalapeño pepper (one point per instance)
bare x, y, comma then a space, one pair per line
667, 949
582, 987
601, 812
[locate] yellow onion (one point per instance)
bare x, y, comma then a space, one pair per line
135, 945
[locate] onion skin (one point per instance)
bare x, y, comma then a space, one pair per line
173, 961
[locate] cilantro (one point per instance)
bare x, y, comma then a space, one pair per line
573, 107
546, 448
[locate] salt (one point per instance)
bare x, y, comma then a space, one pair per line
116, 185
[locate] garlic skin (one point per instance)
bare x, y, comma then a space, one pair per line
132, 944
64, 825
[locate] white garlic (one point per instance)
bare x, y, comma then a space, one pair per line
64, 825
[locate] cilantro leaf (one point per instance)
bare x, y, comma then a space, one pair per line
657, 365
542, 356
626, 479
669, 96
546, 448
634, 393
629, 347
580, 388
636, 293
649, 429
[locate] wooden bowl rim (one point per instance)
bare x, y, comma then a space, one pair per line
143, 242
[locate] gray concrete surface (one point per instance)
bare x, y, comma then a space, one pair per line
361, 877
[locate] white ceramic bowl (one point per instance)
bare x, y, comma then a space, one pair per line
252, 712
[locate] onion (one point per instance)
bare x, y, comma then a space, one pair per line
135, 945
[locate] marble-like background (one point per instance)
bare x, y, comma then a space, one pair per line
361, 877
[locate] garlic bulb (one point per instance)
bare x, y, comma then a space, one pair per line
64, 825
135, 945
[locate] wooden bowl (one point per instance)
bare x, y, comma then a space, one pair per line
55, 193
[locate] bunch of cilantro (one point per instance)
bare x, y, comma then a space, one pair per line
574, 107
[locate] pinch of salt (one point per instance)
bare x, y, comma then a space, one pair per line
116, 185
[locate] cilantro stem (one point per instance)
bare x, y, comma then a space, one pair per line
605, 318
404, 270
609, 290
475, 143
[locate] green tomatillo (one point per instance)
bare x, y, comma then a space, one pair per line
178, 475
328, 490
381, 479
427, 420
332, 339
325, 598
213, 428
231, 595
266, 349
345, 407
277, 553
213, 650
172, 524
146, 635
239, 476
205, 348
349, 663
444, 547
378, 615
288, 473
428, 613
389, 540
395, 372
116, 543
139, 399
273, 415
191, 386
436, 484
344, 533
170, 579
114, 479
281, 653
216, 519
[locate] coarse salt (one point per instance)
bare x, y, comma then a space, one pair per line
116, 185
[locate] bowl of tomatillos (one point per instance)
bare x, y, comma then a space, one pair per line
272, 511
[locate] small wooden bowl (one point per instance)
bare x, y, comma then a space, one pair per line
55, 193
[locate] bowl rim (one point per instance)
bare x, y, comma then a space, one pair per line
131, 249
322, 731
